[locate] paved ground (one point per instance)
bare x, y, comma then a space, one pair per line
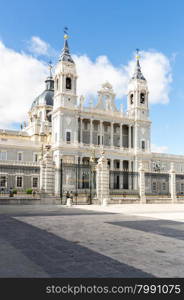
91, 241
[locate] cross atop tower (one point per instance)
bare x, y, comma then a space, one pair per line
66, 36
50, 66
65, 55
137, 54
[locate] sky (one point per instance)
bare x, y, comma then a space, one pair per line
103, 38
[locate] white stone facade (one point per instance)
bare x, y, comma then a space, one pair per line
75, 133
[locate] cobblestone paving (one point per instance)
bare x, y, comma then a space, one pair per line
55, 241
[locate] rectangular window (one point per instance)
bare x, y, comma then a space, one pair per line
154, 186
2, 181
68, 136
98, 140
117, 165
35, 157
163, 186
182, 187
96, 127
143, 145
19, 156
35, 182
19, 181
85, 125
3, 155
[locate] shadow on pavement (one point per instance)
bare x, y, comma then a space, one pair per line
17, 210
166, 228
59, 257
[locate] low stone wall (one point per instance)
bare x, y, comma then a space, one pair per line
122, 199
29, 200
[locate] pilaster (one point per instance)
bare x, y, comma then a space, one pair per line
172, 183
142, 184
120, 130
91, 132
112, 133
102, 183
129, 137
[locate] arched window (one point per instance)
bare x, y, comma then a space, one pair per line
143, 145
142, 98
68, 83
131, 99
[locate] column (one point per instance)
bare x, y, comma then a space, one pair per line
121, 173
49, 176
172, 183
120, 130
91, 132
136, 138
132, 136
101, 132
142, 184
102, 184
58, 176
112, 133
80, 130
47, 169
42, 176
129, 137
121, 165
112, 164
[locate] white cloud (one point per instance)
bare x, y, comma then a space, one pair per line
157, 70
155, 67
91, 75
21, 80
22, 77
39, 47
159, 149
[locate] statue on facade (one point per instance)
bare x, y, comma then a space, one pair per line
81, 100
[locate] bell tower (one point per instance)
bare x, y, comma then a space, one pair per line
138, 108
138, 94
65, 80
64, 117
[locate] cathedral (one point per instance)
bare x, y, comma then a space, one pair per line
62, 131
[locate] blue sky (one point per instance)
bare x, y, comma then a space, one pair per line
114, 29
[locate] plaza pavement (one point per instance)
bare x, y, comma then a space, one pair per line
92, 241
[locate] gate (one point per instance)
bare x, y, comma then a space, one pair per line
179, 184
79, 180
123, 182
157, 184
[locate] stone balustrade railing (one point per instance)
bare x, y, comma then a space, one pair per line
19, 163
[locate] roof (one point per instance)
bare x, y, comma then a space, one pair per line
65, 55
138, 73
46, 97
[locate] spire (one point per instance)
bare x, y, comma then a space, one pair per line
65, 55
138, 74
49, 81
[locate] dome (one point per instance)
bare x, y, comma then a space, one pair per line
46, 97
